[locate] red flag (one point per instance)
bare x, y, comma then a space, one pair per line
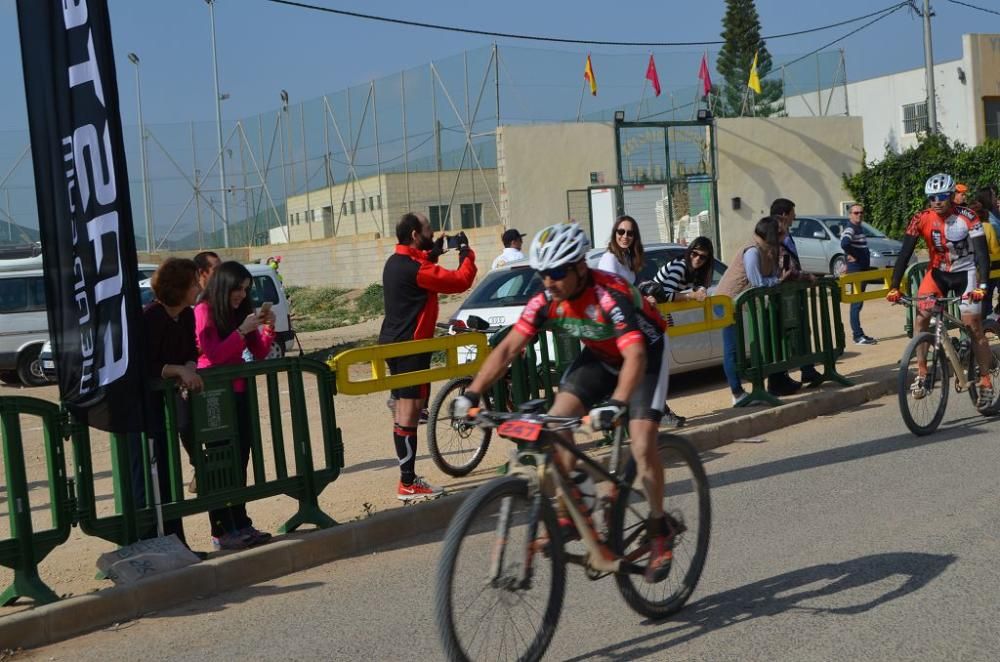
651, 75
704, 77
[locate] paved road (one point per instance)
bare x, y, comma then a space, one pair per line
841, 538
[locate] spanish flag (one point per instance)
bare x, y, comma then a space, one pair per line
754, 82
588, 75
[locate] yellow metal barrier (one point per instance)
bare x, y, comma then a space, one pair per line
850, 285
710, 322
381, 380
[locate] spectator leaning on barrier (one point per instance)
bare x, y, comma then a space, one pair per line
411, 283
207, 262
625, 255
512, 241
980, 204
854, 243
225, 325
171, 353
754, 265
783, 209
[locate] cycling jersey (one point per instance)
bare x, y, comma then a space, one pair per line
608, 316
956, 243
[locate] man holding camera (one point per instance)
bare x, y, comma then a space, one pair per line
411, 282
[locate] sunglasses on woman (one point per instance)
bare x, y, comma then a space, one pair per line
622, 232
699, 255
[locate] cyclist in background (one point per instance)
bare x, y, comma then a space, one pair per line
623, 363
959, 263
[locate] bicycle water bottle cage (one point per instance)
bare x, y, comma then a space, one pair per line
536, 406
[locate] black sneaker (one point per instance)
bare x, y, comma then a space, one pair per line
786, 386
672, 420
812, 377
865, 340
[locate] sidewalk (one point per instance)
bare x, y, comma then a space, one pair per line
367, 486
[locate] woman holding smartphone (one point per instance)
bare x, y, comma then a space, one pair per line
225, 326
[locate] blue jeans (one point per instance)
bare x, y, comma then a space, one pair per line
729, 348
856, 330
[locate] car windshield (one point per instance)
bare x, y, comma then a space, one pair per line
512, 287
837, 225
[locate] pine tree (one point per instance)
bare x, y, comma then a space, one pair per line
741, 32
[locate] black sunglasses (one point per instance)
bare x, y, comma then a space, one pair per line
622, 232
557, 273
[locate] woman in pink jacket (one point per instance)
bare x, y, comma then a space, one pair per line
225, 325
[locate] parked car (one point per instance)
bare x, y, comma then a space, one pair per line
502, 294
24, 325
817, 239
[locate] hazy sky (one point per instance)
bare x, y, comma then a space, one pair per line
264, 47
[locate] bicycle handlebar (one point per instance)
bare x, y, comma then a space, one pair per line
485, 418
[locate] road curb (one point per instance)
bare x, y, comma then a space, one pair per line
77, 615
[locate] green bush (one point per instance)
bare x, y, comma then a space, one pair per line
892, 190
320, 308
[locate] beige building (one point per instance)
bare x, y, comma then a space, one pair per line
452, 200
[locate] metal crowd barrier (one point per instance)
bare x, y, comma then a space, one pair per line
713, 319
217, 461
786, 327
852, 288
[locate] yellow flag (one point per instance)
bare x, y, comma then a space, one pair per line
754, 82
588, 75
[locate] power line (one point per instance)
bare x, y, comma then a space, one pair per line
966, 4
853, 32
560, 40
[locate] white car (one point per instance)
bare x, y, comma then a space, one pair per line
501, 296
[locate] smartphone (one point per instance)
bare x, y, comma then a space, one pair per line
265, 308
453, 241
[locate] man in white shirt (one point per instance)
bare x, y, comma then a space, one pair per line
512, 240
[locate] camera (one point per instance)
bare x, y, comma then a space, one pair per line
453, 241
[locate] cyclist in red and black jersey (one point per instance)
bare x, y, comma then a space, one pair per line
623, 363
959, 263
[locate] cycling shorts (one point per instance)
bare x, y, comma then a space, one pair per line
959, 283
593, 381
403, 364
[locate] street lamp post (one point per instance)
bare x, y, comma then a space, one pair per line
218, 122
134, 59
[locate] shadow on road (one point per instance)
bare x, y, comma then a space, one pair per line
803, 590
238, 596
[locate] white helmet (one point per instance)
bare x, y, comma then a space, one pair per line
939, 183
556, 245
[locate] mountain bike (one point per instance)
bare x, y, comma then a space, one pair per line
502, 574
924, 398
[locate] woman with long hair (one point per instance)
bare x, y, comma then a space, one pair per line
225, 326
624, 256
688, 277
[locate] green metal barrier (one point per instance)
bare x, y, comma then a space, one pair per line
26, 548
786, 327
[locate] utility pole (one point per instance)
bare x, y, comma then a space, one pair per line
929, 71
134, 59
218, 124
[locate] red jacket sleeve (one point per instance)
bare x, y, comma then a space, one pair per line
433, 278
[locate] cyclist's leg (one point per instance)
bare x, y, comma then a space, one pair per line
645, 412
972, 316
567, 403
586, 382
929, 286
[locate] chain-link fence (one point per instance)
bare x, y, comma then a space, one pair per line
424, 138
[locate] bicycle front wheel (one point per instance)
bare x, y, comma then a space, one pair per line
456, 446
499, 594
923, 399
687, 502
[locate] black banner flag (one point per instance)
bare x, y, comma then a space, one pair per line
84, 209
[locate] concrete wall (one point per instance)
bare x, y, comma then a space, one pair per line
802, 159
538, 163
375, 204
981, 54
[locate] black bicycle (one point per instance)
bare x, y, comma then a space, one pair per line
502, 573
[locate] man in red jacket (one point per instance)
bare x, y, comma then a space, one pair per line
411, 282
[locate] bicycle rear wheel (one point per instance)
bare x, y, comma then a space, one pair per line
686, 500
922, 404
498, 595
991, 329
456, 446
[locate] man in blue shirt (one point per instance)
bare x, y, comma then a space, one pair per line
855, 246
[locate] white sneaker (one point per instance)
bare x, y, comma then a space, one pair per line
917, 389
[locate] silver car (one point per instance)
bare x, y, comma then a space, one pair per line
501, 296
817, 239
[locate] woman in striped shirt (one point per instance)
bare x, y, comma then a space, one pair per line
687, 278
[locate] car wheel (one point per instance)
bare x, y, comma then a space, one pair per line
838, 266
29, 367
9, 377
277, 350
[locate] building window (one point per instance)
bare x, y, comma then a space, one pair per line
472, 215
915, 117
352, 207
991, 112
438, 215
378, 199
371, 204
362, 205
343, 208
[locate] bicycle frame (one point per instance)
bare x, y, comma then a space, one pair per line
941, 333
